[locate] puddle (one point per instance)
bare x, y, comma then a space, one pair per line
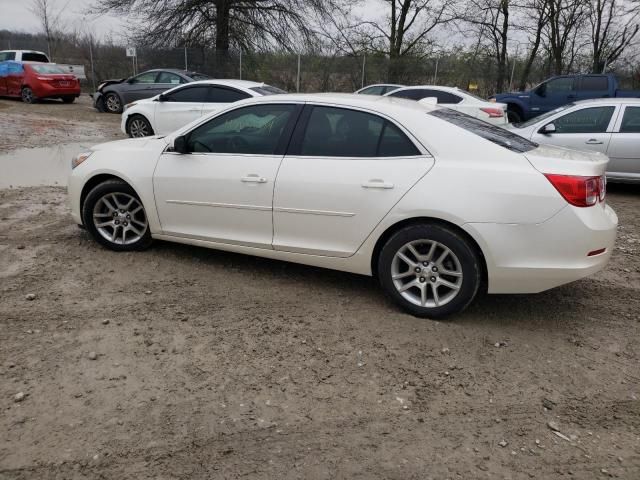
47, 166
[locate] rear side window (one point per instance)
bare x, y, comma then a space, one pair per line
4, 56
226, 95
267, 90
171, 78
494, 134
377, 90
420, 93
189, 95
631, 120
389, 88
594, 84
34, 57
340, 132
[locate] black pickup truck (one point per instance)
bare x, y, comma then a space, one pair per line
558, 91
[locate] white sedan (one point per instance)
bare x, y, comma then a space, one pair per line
435, 203
181, 105
606, 125
456, 99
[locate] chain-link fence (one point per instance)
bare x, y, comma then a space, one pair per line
304, 73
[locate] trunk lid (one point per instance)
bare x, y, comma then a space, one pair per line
564, 161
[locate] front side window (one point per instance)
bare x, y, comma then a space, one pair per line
492, 133
631, 120
226, 95
556, 86
585, 120
148, 77
249, 130
340, 132
171, 78
188, 95
4, 56
15, 68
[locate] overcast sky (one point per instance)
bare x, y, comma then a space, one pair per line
15, 15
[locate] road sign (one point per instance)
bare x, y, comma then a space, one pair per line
131, 51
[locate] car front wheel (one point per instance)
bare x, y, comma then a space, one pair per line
429, 270
112, 103
27, 95
115, 217
138, 127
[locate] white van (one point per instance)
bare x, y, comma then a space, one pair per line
23, 56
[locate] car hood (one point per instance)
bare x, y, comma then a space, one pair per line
565, 161
113, 81
129, 144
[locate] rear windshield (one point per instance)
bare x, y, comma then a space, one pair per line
47, 69
34, 57
497, 135
267, 90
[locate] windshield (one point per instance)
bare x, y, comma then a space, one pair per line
48, 69
535, 120
267, 90
497, 135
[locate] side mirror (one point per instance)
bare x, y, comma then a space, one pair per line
162, 98
548, 129
541, 91
131, 80
180, 145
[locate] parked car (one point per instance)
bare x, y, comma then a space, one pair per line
33, 81
23, 56
181, 105
378, 89
456, 99
112, 95
607, 125
559, 91
433, 202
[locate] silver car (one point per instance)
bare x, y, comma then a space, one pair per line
607, 125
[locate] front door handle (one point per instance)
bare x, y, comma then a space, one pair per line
377, 183
253, 178
593, 141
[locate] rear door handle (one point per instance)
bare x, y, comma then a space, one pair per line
253, 178
593, 141
377, 183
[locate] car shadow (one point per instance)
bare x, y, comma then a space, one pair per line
531, 311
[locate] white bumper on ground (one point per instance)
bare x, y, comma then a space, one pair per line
536, 257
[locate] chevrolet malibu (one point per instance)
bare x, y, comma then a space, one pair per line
436, 204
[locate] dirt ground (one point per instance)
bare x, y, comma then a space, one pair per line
186, 363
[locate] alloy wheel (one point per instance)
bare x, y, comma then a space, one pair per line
139, 128
426, 273
112, 103
120, 218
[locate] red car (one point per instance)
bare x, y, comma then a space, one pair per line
31, 81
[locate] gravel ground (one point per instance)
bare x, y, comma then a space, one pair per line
186, 363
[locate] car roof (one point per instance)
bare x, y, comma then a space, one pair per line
229, 82
433, 87
616, 100
381, 104
172, 70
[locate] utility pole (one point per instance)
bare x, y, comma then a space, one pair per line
186, 64
93, 72
240, 64
298, 77
364, 65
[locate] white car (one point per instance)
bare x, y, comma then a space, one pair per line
182, 105
435, 203
607, 125
456, 99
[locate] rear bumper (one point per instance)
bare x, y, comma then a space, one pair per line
536, 257
45, 91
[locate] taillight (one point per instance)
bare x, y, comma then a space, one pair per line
493, 112
579, 191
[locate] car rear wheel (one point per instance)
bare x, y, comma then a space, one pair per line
429, 270
27, 95
138, 127
68, 99
112, 103
115, 217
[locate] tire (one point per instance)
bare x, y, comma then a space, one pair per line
115, 217
426, 272
27, 95
513, 115
68, 99
138, 126
112, 103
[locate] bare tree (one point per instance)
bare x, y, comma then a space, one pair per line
565, 21
491, 17
538, 11
50, 20
612, 31
246, 24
